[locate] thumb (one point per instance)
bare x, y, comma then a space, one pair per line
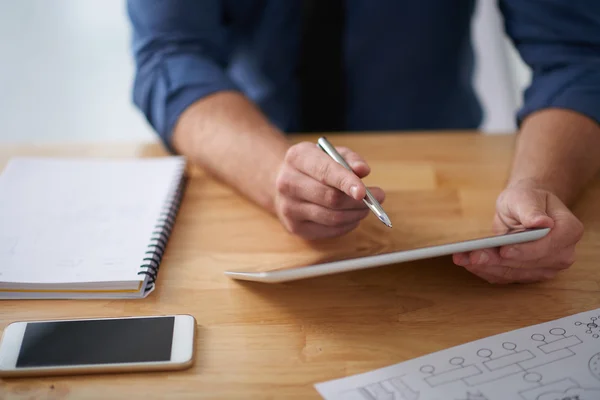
530, 210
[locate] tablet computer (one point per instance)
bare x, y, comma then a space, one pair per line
285, 273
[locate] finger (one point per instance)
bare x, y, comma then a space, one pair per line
562, 259
503, 274
328, 217
313, 162
464, 260
293, 220
489, 265
298, 186
298, 211
355, 161
314, 231
498, 274
485, 257
292, 183
334, 199
538, 254
523, 275
530, 251
477, 257
461, 259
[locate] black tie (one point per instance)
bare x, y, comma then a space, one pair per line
321, 75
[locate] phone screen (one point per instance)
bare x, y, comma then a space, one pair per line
109, 341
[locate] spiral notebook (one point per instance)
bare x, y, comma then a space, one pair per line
86, 228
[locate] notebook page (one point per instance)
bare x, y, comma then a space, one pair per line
80, 220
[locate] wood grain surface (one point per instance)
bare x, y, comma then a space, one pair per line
276, 341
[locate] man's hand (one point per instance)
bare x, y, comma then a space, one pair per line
318, 198
524, 205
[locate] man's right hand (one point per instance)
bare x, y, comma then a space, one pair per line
318, 198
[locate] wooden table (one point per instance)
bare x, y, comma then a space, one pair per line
276, 341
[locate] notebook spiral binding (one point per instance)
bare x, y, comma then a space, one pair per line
160, 235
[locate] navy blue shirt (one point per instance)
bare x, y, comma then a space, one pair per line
408, 64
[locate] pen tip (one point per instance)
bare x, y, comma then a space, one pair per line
386, 220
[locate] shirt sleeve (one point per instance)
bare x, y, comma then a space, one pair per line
560, 41
179, 47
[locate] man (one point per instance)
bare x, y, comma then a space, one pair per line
221, 80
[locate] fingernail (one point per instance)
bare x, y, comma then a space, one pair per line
358, 164
483, 258
512, 253
463, 261
354, 192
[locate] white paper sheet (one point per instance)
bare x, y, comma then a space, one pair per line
557, 360
80, 220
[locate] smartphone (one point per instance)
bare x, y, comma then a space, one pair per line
97, 345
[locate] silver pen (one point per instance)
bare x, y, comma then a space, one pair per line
369, 200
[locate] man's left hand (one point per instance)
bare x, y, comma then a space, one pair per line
527, 206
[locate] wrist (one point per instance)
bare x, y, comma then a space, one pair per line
229, 138
555, 152
536, 183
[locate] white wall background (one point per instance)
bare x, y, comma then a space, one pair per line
66, 72
500, 75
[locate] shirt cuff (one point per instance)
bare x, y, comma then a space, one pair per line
575, 88
181, 80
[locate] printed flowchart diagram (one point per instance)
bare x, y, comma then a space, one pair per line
528, 363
